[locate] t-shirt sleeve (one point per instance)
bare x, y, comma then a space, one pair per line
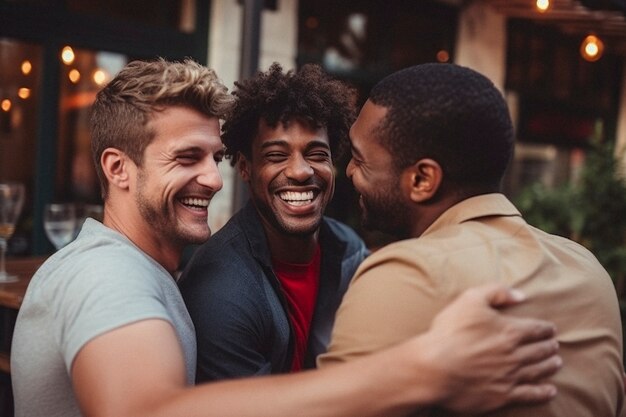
391, 299
111, 292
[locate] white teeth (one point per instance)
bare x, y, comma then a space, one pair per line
198, 202
296, 198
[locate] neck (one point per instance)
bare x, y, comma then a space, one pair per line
132, 225
290, 248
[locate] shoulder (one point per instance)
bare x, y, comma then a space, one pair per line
113, 258
408, 251
220, 251
222, 268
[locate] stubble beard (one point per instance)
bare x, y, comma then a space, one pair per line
386, 213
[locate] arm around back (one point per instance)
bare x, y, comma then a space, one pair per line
125, 373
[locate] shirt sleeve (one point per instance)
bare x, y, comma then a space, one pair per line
107, 293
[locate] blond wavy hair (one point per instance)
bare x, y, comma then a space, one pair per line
123, 108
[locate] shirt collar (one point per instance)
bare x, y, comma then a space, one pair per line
484, 205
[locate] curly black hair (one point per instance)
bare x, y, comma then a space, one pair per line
450, 113
309, 95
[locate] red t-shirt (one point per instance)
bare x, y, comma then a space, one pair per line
300, 284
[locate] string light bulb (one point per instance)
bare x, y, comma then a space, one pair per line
5, 105
26, 67
74, 75
99, 77
67, 55
23, 93
592, 48
542, 5
443, 56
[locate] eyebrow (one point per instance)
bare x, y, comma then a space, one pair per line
188, 149
196, 150
282, 142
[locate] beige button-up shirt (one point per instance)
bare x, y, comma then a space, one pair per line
399, 289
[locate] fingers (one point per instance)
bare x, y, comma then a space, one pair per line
537, 351
529, 394
541, 370
498, 295
532, 330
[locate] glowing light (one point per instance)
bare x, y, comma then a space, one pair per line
23, 93
591, 48
443, 56
67, 55
26, 67
99, 77
543, 5
74, 75
5, 105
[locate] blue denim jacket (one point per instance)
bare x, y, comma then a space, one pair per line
238, 309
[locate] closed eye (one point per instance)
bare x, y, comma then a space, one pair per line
275, 156
187, 159
356, 161
319, 156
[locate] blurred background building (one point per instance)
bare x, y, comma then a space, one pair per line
559, 63
56, 54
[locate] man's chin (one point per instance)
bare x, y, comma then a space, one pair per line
195, 237
300, 229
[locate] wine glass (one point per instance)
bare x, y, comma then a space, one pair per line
59, 222
11, 201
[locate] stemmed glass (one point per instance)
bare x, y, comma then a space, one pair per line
59, 222
11, 201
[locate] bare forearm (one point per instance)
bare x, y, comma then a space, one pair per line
381, 384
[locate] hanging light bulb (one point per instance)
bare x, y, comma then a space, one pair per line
99, 76
542, 5
443, 56
591, 48
74, 75
5, 105
67, 55
26, 67
23, 93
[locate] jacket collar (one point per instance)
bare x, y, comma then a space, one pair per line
252, 227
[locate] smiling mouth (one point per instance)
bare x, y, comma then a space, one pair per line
294, 198
195, 203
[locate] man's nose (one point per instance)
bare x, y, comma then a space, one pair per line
350, 168
210, 176
298, 168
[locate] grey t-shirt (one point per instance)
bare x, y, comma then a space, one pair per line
96, 284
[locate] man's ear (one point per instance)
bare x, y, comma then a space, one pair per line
421, 180
115, 165
243, 165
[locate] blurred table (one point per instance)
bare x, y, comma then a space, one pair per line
11, 296
12, 293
